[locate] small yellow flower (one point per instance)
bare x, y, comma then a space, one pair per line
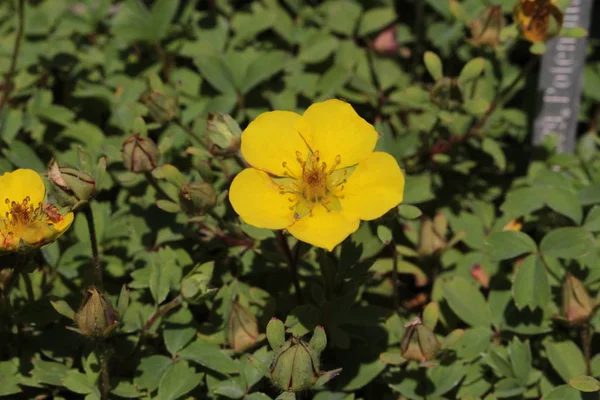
538, 20
315, 174
27, 222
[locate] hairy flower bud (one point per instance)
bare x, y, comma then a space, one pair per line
71, 187
96, 318
224, 132
242, 328
296, 366
577, 305
419, 342
197, 198
162, 107
140, 154
195, 287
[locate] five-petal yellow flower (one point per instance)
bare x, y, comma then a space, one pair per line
27, 222
315, 174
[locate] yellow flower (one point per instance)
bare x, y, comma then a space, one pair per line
27, 222
315, 174
533, 17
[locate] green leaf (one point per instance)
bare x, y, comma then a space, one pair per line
433, 63
566, 358
49, 372
77, 382
264, 67
585, 383
563, 392
217, 73
530, 286
573, 32
563, 202
384, 234
471, 70
209, 356
317, 48
168, 206
520, 360
408, 211
508, 387
162, 13
178, 380
152, 370
63, 308
9, 377
230, 389
568, 242
467, 302
509, 244
123, 301
592, 220
376, 19
159, 284
493, 148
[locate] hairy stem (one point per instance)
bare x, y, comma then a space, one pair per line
586, 342
98, 279
8, 86
159, 313
292, 264
104, 358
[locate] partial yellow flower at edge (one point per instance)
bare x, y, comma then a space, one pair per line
315, 174
26, 222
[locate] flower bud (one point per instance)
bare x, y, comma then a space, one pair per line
242, 328
197, 198
296, 366
577, 305
486, 27
70, 187
162, 107
195, 287
96, 318
140, 154
538, 21
224, 132
419, 342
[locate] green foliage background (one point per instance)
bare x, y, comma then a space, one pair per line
81, 72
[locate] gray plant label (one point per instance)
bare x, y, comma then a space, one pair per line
560, 81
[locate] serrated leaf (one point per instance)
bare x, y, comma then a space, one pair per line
569, 242
530, 286
509, 244
467, 302
178, 380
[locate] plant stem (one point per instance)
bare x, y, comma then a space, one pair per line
292, 264
176, 302
28, 287
395, 300
420, 33
89, 215
586, 342
152, 181
104, 357
8, 87
191, 133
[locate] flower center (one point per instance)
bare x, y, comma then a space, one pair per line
23, 214
317, 184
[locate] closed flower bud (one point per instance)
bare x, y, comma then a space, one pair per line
419, 342
577, 305
96, 318
431, 239
140, 154
296, 365
71, 187
197, 198
224, 132
162, 107
195, 287
242, 328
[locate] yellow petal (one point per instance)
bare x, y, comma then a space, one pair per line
39, 233
256, 198
333, 128
62, 226
324, 228
272, 139
17, 185
375, 187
